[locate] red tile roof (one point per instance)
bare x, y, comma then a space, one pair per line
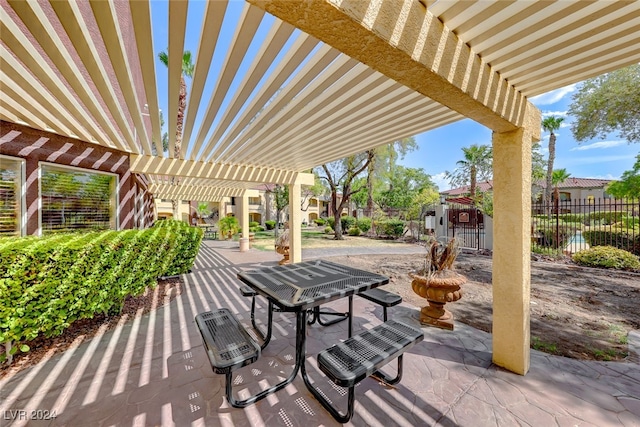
569, 183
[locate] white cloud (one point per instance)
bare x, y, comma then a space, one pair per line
440, 181
553, 96
554, 113
601, 144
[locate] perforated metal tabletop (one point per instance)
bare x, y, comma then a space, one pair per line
304, 285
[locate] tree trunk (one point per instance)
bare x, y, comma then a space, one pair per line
472, 190
370, 171
338, 225
552, 156
182, 105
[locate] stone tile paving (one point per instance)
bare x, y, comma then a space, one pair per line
153, 370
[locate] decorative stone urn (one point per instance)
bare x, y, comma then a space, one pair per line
438, 284
282, 247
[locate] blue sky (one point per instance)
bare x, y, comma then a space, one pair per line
607, 158
439, 149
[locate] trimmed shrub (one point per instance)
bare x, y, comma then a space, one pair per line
271, 224
320, 221
256, 229
347, 222
607, 218
390, 228
48, 283
354, 231
254, 224
364, 224
607, 257
328, 230
332, 222
621, 238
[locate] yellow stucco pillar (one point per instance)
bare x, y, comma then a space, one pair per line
511, 251
243, 211
295, 223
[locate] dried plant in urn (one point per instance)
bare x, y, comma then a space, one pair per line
438, 283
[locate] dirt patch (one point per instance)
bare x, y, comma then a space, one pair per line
578, 312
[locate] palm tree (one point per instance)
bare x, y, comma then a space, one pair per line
558, 177
550, 124
187, 70
477, 163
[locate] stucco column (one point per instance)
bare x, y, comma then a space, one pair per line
295, 223
511, 252
243, 213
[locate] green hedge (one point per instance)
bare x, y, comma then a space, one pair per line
347, 222
621, 238
271, 224
48, 283
607, 257
390, 227
364, 224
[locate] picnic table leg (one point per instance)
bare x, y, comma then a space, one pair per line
301, 333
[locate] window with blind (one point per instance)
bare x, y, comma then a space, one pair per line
10, 196
75, 200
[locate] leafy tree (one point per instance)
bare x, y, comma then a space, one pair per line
228, 226
608, 103
477, 164
340, 175
403, 186
280, 196
382, 166
203, 210
551, 124
311, 191
538, 167
629, 183
187, 70
559, 176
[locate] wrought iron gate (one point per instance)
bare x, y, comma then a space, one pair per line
467, 225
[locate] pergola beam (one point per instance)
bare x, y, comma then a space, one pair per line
217, 171
404, 41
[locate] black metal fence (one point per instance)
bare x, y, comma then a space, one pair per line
569, 226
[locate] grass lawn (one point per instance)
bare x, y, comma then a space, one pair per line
316, 238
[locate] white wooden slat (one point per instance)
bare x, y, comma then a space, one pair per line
48, 39
16, 107
107, 20
301, 90
575, 51
15, 91
300, 49
42, 96
552, 31
272, 45
351, 136
314, 99
211, 26
175, 51
513, 29
245, 32
141, 19
71, 19
44, 74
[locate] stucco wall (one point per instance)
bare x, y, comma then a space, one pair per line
35, 146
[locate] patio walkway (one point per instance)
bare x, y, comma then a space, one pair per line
154, 371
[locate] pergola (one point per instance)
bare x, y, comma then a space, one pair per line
330, 78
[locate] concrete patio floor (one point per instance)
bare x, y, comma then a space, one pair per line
153, 370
